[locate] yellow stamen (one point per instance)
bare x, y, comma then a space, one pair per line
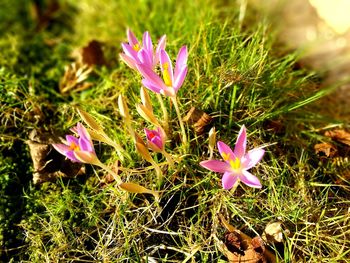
74, 147
226, 156
235, 164
166, 75
137, 47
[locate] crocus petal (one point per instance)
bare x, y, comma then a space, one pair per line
241, 143
129, 51
161, 45
161, 133
215, 166
228, 180
131, 38
148, 74
179, 80
165, 60
145, 58
86, 157
250, 180
181, 60
70, 155
85, 145
128, 61
225, 151
158, 142
252, 158
151, 86
83, 133
147, 44
71, 139
168, 91
61, 148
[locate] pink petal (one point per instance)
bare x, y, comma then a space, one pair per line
86, 145
241, 143
71, 139
215, 166
180, 79
168, 91
128, 61
161, 133
164, 58
161, 45
145, 58
151, 86
228, 180
181, 60
147, 44
252, 158
131, 37
70, 155
149, 74
61, 148
225, 150
130, 52
250, 180
83, 132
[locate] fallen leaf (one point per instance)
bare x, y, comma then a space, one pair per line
74, 78
239, 247
198, 119
274, 232
339, 135
325, 149
44, 14
92, 54
49, 164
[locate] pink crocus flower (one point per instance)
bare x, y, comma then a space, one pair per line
155, 139
236, 162
78, 149
172, 78
131, 55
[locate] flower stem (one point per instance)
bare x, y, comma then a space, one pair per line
184, 136
158, 172
168, 158
107, 169
165, 114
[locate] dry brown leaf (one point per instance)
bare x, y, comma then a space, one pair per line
48, 164
239, 247
325, 149
198, 119
274, 232
74, 78
339, 135
92, 54
44, 14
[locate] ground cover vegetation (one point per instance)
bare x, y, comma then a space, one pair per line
61, 68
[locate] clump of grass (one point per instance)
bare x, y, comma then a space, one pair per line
233, 76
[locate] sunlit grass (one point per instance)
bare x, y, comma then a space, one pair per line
233, 75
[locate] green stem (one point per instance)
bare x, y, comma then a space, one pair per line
184, 136
168, 158
107, 169
158, 171
165, 114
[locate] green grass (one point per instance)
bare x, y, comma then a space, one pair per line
234, 74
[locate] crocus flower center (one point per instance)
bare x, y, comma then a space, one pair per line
137, 47
74, 147
235, 164
166, 75
226, 156
151, 135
